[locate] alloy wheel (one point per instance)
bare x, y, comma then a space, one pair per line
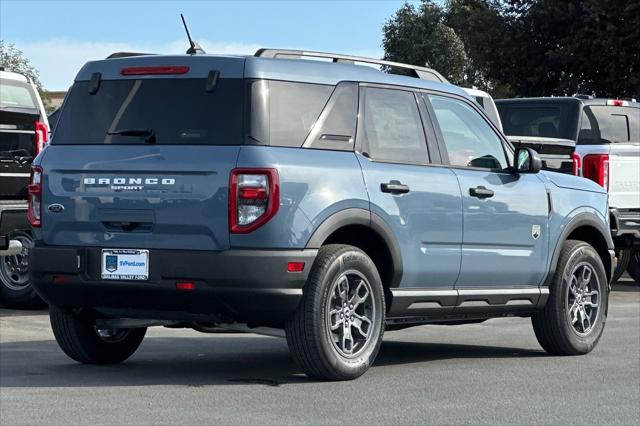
351, 314
583, 298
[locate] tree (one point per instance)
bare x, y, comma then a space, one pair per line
524, 47
12, 59
421, 37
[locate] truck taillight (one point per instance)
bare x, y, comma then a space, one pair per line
575, 159
42, 136
34, 213
254, 198
596, 168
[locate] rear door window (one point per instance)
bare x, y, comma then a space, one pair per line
607, 124
391, 128
177, 110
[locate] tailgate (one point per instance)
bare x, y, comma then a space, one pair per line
137, 196
624, 175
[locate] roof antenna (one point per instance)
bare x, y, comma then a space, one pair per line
194, 47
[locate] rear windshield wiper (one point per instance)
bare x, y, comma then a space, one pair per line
148, 134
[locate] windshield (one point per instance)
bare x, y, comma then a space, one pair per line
547, 120
175, 110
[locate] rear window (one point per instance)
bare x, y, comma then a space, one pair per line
606, 124
16, 94
15, 144
176, 110
550, 120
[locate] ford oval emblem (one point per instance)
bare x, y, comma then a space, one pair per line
56, 208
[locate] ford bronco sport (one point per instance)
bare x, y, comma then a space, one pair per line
326, 201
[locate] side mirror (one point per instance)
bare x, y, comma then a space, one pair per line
527, 161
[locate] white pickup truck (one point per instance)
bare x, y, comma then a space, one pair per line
607, 137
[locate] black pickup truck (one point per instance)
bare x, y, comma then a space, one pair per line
548, 127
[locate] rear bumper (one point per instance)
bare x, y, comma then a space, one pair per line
625, 222
248, 286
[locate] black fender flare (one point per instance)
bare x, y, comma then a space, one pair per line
362, 217
581, 219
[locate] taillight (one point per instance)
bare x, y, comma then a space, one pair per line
34, 212
42, 136
254, 198
596, 168
575, 159
617, 102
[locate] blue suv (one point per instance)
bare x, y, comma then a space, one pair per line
318, 199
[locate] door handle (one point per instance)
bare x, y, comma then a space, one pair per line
394, 187
481, 192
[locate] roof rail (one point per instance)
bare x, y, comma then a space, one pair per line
127, 54
423, 73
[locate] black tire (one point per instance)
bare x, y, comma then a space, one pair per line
16, 290
78, 338
553, 325
634, 265
624, 256
314, 347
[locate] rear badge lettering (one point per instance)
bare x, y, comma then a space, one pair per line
128, 183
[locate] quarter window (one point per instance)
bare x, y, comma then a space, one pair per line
392, 128
283, 113
469, 139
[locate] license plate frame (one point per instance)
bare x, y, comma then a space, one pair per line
124, 264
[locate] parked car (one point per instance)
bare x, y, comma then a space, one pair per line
324, 201
24, 131
606, 136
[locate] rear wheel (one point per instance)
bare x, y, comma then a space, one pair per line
624, 256
574, 317
634, 265
15, 286
82, 341
337, 331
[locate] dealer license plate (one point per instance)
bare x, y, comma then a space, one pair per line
125, 264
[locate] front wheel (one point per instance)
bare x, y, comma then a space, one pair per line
337, 330
79, 338
573, 319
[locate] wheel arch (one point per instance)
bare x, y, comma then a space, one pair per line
370, 233
585, 227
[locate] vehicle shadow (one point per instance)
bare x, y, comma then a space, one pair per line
207, 361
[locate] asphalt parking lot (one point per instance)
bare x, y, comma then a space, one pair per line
490, 373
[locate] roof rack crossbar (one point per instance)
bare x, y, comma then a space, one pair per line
423, 73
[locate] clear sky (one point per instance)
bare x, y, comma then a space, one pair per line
59, 36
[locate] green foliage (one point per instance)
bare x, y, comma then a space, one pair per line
524, 47
421, 37
12, 59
